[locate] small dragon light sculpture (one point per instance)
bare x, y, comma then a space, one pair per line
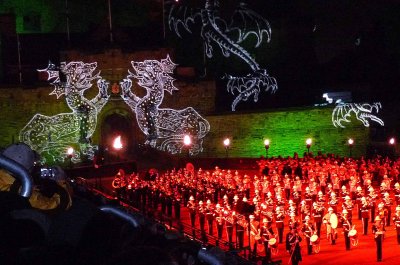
164, 128
362, 111
215, 29
50, 136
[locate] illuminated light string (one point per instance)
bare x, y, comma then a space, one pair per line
245, 22
51, 136
364, 112
165, 128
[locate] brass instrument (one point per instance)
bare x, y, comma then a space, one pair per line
230, 219
242, 221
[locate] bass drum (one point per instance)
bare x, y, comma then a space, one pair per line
333, 221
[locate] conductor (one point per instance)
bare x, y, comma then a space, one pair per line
293, 247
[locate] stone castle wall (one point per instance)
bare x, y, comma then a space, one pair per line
287, 129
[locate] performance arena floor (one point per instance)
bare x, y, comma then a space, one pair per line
363, 254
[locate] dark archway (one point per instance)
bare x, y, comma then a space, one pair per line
114, 125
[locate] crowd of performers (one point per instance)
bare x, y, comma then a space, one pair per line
300, 195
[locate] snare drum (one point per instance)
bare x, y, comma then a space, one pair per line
314, 239
273, 243
353, 233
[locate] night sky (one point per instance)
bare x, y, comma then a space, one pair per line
316, 46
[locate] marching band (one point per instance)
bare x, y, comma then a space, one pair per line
255, 208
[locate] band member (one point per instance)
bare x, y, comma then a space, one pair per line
344, 192
119, 182
201, 211
280, 201
333, 202
382, 213
330, 231
304, 209
317, 212
296, 197
308, 230
293, 247
209, 212
254, 235
267, 233
177, 206
280, 216
364, 214
287, 185
293, 222
235, 203
292, 209
396, 221
371, 198
346, 224
359, 195
378, 231
192, 211
241, 225
169, 202
219, 218
348, 205
229, 223
308, 197
396, 191
387, 201
321, 198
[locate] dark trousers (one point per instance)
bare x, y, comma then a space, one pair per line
219, 230
268, 256
365, 225
192, 219
240, 237
229, 231
280, 234
318, 225
210, 226
378, 240
309, 246
347, 240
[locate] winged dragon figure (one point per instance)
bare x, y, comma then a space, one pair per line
363, 112
164, 128
50, 136
215, 30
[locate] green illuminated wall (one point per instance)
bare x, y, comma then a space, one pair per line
287, 130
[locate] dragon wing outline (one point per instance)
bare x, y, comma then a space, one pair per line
182, 16
247, 22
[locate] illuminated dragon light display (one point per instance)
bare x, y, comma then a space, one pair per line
215, 30
362, 111
164, 128
51, 136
